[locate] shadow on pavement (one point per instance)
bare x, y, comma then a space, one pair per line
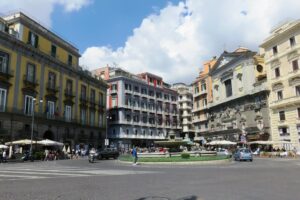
166, 198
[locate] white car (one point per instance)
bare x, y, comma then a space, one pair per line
223, 152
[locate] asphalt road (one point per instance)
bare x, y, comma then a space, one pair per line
274, 179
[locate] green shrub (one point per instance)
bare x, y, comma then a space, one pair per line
185, 155
39, 155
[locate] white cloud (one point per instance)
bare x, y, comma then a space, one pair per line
41, 10
175, 41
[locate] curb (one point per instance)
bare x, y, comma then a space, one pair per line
223, 161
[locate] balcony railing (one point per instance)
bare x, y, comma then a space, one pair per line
69, 93
51, 87
30, 82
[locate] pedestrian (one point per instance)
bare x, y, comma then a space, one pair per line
4, 155
134, 155
46, 155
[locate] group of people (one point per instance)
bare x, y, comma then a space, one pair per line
50, 155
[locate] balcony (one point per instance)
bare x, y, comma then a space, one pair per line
290, 101
83, 100
113, 91
51, 88
29, 82
6, 74
69, 93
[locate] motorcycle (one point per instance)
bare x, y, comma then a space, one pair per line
27, 157
92, 158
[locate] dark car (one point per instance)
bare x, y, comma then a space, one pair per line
108, 153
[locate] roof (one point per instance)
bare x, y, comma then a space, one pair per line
235, 56
20, 16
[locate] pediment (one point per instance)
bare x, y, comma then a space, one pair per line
294, 80
293, 55
277, 86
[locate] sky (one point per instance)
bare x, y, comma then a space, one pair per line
170, 38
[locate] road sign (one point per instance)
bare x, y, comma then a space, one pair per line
106, 142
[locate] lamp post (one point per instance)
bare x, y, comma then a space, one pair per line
32, 123
106, 139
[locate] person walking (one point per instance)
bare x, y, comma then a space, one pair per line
134, 155
4, 155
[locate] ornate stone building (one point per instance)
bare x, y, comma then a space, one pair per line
239, 110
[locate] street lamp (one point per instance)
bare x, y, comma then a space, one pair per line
32, 123
106, 143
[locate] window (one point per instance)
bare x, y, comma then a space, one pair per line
277, 72
282, 115
275, 50
70, 58
83, 92
279, 95
30, 76
4, 58
92, 118
50, 109
228, 88
100, 119
51, 80
284, 131
127, 87
115, 87
297, 88
298, 111
292, 41
298, 129
203, 86
204, 103
295, 65
83, 116
101, 99
68, 113
3, 93
259, 68
127, 132
93, 95
114, 101
196, 89
69, 86
53, 50
33, 39
28, 105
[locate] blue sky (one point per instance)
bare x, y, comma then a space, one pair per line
170, 38
105, 22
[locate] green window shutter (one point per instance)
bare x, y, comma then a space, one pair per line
36, 41
29, 37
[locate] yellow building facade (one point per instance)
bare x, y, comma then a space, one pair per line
40, 75
281, 51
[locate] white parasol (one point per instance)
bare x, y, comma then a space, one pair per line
2, 146
221, 142
47, 142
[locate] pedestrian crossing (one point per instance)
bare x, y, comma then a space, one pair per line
46, 172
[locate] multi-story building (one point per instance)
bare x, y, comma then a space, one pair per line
202, 96
185, 106
239, 108
142, 108
40, 76
281, 51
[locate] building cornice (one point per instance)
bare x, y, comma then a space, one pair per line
29, 51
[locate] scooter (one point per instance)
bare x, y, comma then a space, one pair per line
92, 158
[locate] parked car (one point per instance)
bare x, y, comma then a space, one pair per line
108, 153
243, 154
223, 152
